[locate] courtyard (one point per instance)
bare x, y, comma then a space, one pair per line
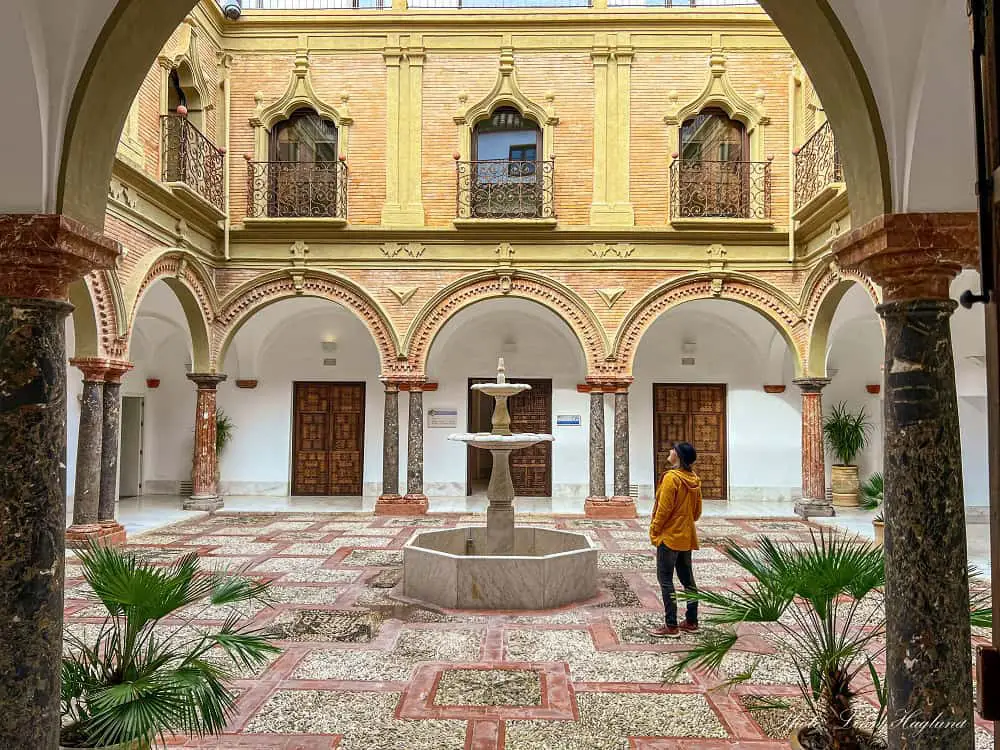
362, 667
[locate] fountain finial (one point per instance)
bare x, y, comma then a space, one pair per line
501, 372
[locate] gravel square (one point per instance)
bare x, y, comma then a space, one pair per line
365, 719
620, 589
608, 720
305, 594
416, 521
625, 561
364, 558
595, 523
331, 626
586, 663
242, 546
489, 687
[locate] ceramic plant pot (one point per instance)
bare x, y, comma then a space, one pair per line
846, 486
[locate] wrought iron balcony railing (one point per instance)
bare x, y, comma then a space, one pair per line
720, 189
505, 189
817, 164
297, 190
188, 156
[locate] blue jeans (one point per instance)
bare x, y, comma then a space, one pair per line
666, 561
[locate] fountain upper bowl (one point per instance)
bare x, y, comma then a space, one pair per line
489, 441
501, 389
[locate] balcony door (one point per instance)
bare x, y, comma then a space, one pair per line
506, 178
303, 173
714, 167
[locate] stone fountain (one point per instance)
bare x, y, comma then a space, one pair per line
501, 566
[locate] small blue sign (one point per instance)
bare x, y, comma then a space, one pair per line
568, 420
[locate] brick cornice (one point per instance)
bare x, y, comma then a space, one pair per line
912, 256
42, 254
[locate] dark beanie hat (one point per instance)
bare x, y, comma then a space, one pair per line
686, 453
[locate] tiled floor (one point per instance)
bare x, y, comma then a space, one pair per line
363, 669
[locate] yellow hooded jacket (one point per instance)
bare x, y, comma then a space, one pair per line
677, 507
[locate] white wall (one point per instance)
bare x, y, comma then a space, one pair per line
543, 347
732, 346
968, 331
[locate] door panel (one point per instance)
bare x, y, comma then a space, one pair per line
130, 462
328, 439
695, 414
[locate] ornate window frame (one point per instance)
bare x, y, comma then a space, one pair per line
185, 53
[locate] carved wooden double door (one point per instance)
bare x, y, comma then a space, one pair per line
695, 414
328, 439
530, 411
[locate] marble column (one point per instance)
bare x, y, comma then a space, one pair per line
415, 499
913, 258
204, 472
39, 257
389, 501
814, 501
598, 488
621, 444
87, 490
111, 530
621, 504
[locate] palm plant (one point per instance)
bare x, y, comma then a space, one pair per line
873, 491
830, 642
846, 433
224, 429
137, 681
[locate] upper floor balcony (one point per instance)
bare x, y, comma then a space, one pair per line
297, 190
817, 166
191, 161
300, 5
504, 189
702, 189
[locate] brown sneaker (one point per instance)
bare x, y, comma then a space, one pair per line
665, 631
688, 627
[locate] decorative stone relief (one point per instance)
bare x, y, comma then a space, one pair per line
716, 257
716, 287
611, 295
505, 254
618, 250
299, 250
120, 194
403, 294
394, 249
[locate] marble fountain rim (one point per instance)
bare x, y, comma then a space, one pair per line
590, 546
519, 437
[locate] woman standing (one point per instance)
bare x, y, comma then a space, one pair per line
672, 531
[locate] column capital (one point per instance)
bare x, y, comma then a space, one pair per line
206, 381
416, 386
101, 369
606, 385
812, 385
42, 254
912, 256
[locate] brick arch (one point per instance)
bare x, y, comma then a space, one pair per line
246, 301
193, 289
821, 299
562, 300
768, 301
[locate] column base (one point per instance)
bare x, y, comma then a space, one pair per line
407, 505
610, 507
806, 508
209, 503
107, 534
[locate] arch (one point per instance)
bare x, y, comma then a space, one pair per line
506, 93
759, 296
85, 337
241, 305
188, 281
562, 300
299, 94
823, 295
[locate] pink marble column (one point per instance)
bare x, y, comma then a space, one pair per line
204, 472
813, 502
621, 504
39, 257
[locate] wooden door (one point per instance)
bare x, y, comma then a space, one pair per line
328, 439
695, 414
530, 411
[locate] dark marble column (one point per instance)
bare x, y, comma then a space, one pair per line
39, 257
598, 488
621, 443
814, 501
113, 531
415, 450
87, 490
914, 257
204, 471
389, 501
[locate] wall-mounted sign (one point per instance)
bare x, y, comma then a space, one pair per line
442, 418
568, 420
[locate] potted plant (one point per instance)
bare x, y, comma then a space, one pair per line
795, 592
872, 497
846, 434
135, 682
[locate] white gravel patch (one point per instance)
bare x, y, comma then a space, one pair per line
375, 531
234, 565
586, 663
413, 647
305, 569
240, 546
305, 594
366, 720
608, 720
569, 617
596, 523
625, 561
364, 558
771, 669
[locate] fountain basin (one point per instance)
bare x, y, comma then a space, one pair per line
549, 568
491, 441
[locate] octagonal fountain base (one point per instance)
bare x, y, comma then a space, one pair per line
549, 568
